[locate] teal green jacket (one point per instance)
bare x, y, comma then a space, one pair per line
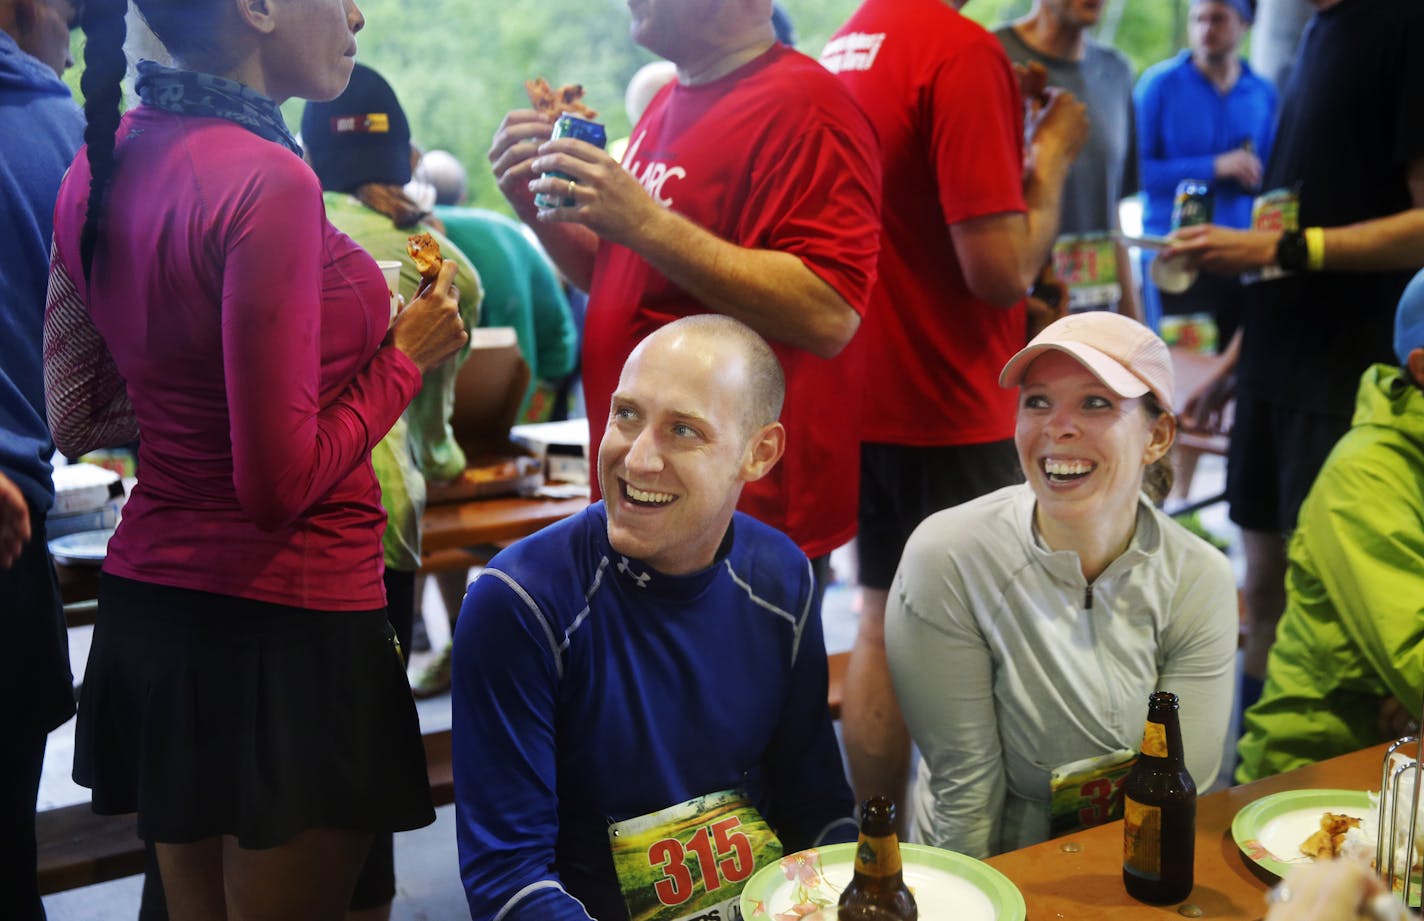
522, 290
421, 446
1353, 630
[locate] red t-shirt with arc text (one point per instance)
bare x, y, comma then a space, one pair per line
773, 156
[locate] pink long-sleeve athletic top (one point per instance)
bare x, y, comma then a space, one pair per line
248, 331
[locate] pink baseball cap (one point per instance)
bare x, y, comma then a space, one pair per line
1126, 356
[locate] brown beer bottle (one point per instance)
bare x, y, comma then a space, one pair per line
877, 891
1159, 811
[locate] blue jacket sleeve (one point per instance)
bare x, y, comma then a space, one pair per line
808, 801
504, 696
1160, 172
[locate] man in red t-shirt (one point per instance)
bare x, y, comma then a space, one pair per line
967, 229
750, 188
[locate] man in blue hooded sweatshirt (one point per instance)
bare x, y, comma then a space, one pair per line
40, 130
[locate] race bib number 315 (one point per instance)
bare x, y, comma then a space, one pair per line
689, 862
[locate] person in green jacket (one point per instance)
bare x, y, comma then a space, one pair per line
359, 146
522, 289
1347, 667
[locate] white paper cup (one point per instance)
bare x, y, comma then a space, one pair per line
391, 269
1172, 274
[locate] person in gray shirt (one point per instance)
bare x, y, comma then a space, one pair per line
1054, 35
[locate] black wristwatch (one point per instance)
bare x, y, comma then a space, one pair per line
1291, 252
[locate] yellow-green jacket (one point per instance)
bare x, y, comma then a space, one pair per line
422, 445
1353, 630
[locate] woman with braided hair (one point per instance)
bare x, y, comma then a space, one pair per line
244, 692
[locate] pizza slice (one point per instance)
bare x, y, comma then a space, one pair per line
1326, 842
425, 253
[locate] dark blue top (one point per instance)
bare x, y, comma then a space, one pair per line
40, 130
589, 689
1183, 123
1351, 122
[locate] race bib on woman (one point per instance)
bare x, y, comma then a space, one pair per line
689, 862
1088, 792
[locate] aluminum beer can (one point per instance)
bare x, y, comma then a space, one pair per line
1192, 204
571, 126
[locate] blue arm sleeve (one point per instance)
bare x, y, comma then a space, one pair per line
503, 699
808, 801
1161, 173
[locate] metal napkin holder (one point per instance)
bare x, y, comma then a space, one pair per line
1385, 864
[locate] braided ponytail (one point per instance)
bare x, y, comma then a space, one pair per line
104, 65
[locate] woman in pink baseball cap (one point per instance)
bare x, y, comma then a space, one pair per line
1027, 628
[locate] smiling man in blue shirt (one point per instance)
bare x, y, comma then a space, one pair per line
639, 692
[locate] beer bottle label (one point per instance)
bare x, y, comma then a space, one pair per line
1142, 839
878, 856
1154, 740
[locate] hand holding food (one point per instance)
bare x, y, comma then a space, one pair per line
1333, 890
424, 251
514, 146
1033, 81
1058, 129
555, 102
430, 330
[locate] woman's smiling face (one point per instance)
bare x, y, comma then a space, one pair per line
1084, 448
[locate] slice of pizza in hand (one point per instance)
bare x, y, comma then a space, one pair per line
425, 253
555, 102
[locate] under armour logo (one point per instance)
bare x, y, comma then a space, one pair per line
641, 578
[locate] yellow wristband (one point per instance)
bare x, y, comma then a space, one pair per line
1314, 249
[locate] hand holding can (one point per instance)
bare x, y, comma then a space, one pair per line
1192, 206
571, 126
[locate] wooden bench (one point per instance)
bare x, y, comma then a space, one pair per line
78, 848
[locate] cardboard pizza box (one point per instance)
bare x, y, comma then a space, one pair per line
488, 392
562, 447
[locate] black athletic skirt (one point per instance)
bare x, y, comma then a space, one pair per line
213, 715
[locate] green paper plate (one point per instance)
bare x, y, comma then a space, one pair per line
945, 884
1270, 830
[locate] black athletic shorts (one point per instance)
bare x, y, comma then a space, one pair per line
902, 485
1275, 454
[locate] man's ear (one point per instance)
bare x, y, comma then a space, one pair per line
25, 16
258, 14
1416, 367
765, 449
1164, 432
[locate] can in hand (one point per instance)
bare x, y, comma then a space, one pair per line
571, 126
1192, 204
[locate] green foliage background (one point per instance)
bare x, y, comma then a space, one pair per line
459, 74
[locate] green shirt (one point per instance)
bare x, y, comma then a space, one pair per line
522, 290
1353, 629
421, 446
